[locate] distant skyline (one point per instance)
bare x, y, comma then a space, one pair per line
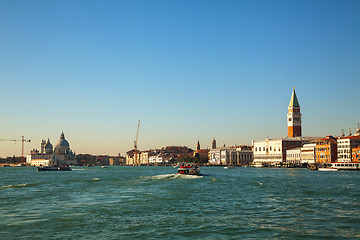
189, 70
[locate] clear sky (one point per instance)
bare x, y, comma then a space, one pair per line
189, 70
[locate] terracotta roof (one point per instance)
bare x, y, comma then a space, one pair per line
202, 150
351, 137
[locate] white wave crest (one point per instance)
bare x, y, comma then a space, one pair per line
161, 176
187, 176
14, 186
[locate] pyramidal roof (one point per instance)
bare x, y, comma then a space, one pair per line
294, 101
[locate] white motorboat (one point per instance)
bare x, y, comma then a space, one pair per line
189, 170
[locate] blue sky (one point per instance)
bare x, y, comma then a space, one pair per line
189, 70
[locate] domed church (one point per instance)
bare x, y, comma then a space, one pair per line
60, 155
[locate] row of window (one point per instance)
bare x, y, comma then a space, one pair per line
346, 164
322, 149
258, 149
343, 151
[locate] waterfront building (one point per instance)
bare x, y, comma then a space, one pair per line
236, 155
144, 158
130, 157
301, 155
307, 153
244, 155
136, 158
273, 151
293, 156
114, 161
294, 117
86, 160
61, 155
326, 150
356, 154
214, 156
43, 158
154, 158
222, 156
35, 158
102, 160
345, 146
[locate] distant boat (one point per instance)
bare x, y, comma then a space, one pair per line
258, 165
228, 167
346, 166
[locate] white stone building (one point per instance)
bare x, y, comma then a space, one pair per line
293, 156
308, 155
230, 155
345, 146
301, 155
273, 151
222, 156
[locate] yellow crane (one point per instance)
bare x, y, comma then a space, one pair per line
135, 145
23, 140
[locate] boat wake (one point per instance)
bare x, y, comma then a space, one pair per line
188, 176
172, 176
161, 176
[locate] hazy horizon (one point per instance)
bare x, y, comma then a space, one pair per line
189, 70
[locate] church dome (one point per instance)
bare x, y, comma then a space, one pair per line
62, 143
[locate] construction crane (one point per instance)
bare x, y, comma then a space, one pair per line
135, 145
23, 140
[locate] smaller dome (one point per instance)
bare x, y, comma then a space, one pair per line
48, 144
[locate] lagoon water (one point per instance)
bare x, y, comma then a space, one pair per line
154, 203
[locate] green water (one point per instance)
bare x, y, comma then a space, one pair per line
154, 203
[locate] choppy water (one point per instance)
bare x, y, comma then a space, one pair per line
154, 203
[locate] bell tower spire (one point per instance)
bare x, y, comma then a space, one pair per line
294, 116
214, 144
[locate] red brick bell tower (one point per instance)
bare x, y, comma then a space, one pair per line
294, 117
